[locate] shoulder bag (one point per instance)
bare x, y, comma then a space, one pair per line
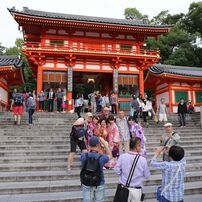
122, 191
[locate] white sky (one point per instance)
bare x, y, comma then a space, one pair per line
101, 8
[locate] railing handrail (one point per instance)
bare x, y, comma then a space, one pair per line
88, 47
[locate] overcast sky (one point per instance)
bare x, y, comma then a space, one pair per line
102, 8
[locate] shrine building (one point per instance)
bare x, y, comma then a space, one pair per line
175, 82
11, 74
79, 53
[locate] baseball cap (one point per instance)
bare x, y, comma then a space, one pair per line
94, 141
168, 124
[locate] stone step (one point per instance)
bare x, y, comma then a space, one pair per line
43, 152
55, 128
62, 175
74, 195
27, 148
53, 166
6, 141
63, 158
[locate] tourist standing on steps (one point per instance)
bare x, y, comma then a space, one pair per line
17, 106
135, 108
78, 104
171, 138
162, 111
172, 185
114, 102
31, 107
124, 132
92, 176
41, 99
141, 172
105, 114
182, 110
50, 98
77, 138
59, 96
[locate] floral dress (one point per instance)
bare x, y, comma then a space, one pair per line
114, 142
137, 130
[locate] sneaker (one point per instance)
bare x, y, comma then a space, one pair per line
68, 171
15, 122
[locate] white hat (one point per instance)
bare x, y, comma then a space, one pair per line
79, 122
89, 114
168, 124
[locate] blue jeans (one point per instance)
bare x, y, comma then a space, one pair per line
93, 194
161, 198
30, 112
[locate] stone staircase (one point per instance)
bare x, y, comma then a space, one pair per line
33, 161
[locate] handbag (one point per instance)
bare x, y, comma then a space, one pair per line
122, 191
63, 105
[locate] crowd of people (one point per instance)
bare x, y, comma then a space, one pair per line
27, 101
109, 142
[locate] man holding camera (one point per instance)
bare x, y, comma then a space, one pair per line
171, 138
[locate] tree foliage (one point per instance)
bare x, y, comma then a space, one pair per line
30, 81
178, 46
134, 14
2, 48
193, 19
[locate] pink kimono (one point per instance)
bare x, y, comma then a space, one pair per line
114, 141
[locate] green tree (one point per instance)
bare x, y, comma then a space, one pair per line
2, 48
134, 14
160, 18
30, 81
193, 19
176, 47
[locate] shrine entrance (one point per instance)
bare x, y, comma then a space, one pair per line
86, 83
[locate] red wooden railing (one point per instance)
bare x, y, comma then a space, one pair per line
88, 48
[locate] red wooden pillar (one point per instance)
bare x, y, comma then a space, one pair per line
192, 95
39, 81
170, 97
141, 83
70, 101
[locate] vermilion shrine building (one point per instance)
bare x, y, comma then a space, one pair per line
11, 74
70, 50
175, 82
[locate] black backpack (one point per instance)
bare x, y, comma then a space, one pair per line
18, 100
79, 132
90, 174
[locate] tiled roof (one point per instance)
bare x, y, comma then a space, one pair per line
11, 60
176, 70
71, 17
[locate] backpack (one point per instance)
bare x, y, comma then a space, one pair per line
79, 132
90, 174
32, 103
18, 100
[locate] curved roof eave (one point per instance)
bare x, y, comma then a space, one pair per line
87, 19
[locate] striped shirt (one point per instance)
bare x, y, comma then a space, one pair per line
174, 192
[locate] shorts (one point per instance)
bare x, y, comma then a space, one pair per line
163, 117
18, 110
74, 143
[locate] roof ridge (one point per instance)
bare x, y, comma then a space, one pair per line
65, 16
